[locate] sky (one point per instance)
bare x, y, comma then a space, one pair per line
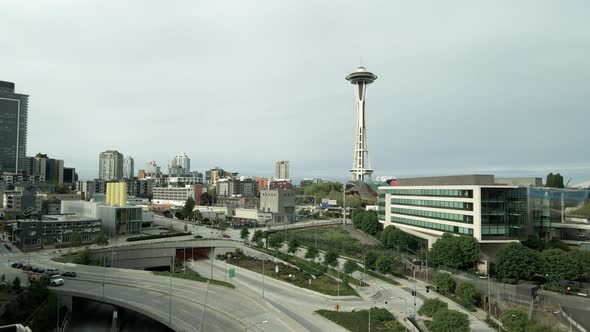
495, 87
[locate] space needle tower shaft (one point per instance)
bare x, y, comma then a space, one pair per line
361, 165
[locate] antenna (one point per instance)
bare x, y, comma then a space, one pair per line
361, 60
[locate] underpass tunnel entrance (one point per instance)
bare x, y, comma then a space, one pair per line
190, 253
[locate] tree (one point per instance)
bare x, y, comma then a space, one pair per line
444, 282
392, 237
557, 265
331, 258
449, 321
101, 239
467, 294
206, 199
187, 209
455, 251
198, 215
517, 262
385, 264
514, 320
257, 235
431, 306
350, 266
370, 259
275, 241
293, 245
582, 259
534, 242
75, 239
244, 234
16, 284
312, 253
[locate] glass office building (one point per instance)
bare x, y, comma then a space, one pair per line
13, 129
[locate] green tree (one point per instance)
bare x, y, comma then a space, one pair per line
371, 258
514, 320
257, 235
582, 259
444, 282
187, 209
350, 266
431, 306
275, 241
449, 321
101, 239
455, 251
312, 253
75, 239
293, 245
534, 242
198, 215
557, 265
331, 258
392, 237
517, 262
244, 234
385, 264
259, 243
467, 294
16, 284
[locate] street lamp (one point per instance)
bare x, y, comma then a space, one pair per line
262, 322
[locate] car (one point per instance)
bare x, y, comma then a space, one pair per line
37, 270
198, 236
69, 274
17, 265
56, 280
27, 268
226, 236
51, 272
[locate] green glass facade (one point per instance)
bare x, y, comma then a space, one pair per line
433, 225
13, 129
504, 213
464, 193
434, 215
433, 204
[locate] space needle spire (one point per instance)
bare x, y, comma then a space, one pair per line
361, 165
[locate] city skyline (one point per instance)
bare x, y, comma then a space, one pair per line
459, 92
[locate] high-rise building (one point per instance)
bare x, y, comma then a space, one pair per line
110, 165
70, 175
45, 168
14, 109
282, 169
183, 161
361, 165
128, 168
152, 170
213, 175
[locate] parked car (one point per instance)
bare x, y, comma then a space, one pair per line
56, 280
17, 265
38, 270
69, 274
226, 236
51, 272
27, 268
198, 236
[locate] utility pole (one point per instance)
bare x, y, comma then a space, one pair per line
344, 204
264, 260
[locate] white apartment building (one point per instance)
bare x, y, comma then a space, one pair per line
175, 196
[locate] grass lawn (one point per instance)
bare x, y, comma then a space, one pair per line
192, 275
358, 321
380, 277
331, 237
322, 284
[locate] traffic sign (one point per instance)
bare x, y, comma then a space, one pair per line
232, 273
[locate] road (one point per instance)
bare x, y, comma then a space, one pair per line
225, 309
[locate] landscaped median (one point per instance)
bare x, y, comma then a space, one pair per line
358, 320
192, 275
322, 283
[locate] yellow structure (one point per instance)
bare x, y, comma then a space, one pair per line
116, 194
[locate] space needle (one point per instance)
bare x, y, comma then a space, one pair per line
361, 165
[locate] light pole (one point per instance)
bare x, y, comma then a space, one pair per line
262, 322
264, 260
170, 306
374, 303
344, 204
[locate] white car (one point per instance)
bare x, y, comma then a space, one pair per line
56, 280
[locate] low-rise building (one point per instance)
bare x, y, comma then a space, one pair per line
116, 220
55, 230
281, 203
174, 196
21, 202
280, 184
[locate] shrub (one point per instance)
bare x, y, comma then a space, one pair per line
449, 321
431, 306
444, 282
514, 320
467, 294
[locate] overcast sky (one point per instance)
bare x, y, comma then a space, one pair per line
464, 86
